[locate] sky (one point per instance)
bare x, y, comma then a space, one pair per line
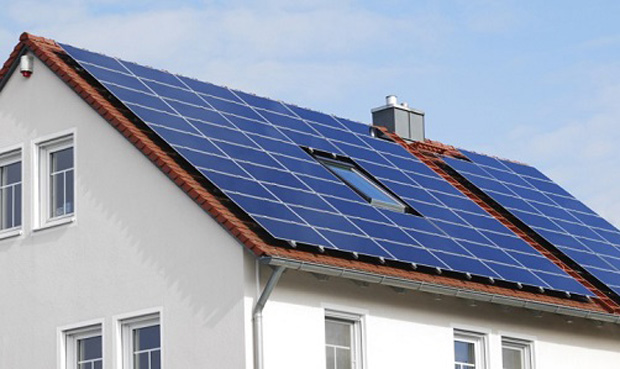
533, 81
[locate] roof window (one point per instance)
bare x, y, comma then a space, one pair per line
362, 183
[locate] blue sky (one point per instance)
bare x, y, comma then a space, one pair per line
535, 81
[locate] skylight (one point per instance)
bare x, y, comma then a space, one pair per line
363, 185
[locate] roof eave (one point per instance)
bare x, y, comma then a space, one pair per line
437, 289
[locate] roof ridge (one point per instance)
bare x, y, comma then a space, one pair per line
30, 37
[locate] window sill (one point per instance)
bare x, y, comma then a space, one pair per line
56, 223
10, 233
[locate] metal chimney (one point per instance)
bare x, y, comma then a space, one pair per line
406, 122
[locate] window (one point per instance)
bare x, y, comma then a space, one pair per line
362, 184
469, 350
10, 191
516, 354
343, 342
84, 348
56, 180
141, 340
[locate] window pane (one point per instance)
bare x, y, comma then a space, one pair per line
17, 219
141, 361
464, 352
361, 183
330, 353
14, 173
89, 348
98, 364
6, 208
62, 159
3, 209
343, 359
57, 195
69, 192
146, 338
512, 358
86, 366
156, 360
11, 174
338, 333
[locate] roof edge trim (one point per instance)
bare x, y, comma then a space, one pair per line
11, 64
437, 289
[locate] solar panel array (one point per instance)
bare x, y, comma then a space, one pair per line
250, 148
549, 210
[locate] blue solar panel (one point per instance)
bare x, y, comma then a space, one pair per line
96, 59
288, 122
107, 75
356, 127
139, 98
324, 219
353, 243
239, 184
210, 89
249, 147
261, 102
188, 140
552, 212
414, 254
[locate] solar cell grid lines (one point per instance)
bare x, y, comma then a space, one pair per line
250, 147
553, 213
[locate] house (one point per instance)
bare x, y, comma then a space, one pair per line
151, 220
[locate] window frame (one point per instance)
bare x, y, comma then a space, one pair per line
526, 347
44, 149
70, 338
357, 334
9, 157
479, 340
398, 205
126, 328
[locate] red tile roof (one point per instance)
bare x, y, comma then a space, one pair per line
225, 213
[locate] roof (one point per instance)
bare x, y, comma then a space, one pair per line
248, 161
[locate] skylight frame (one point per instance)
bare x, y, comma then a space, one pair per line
396, 204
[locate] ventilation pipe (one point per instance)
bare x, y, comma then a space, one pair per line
406, 122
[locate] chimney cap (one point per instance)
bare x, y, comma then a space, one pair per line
401, 119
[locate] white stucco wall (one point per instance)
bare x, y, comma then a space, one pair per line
415, 329
138, 242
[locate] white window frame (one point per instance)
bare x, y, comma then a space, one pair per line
70, 340
526, 347
9, 157
42, 156
357, 334
479, 340
127, 327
